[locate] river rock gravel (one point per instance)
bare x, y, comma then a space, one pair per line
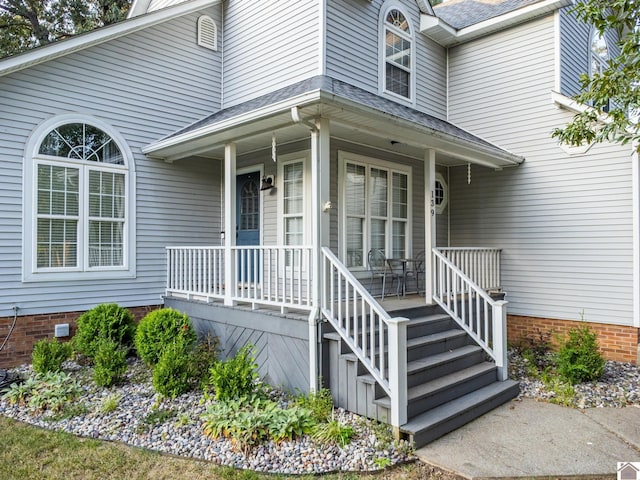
142, 419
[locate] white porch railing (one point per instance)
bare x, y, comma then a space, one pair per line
379, 341
482, 317
481, 265
278, 275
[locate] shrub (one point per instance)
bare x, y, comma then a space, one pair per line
202, 358
236, 377
110, 363
107, 321
159, 329
171, 374
579, 359
48, 355
320, 404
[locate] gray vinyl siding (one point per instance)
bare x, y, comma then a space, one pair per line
277, 36
353, 51
564, 222
575, 49
145, 85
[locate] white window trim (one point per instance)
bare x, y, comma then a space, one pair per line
382, 74
368, 162
305, 158
445, 198
30, 272
243, 171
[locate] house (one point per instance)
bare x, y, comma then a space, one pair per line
239, 164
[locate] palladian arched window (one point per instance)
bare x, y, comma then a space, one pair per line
599, 53
80, 201
398, 54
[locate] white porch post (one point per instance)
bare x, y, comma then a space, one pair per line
429, 222
320, 208
500, 339
229, 221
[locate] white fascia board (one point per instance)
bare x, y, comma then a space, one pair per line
96, 37
491, 25
209, 129
568, 103
138, 7
425, 7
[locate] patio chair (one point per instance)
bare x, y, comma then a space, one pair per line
378, 268
418, 269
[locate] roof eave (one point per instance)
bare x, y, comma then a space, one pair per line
447, 36
174, 147
96, 37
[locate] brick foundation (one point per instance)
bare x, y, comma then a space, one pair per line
31, 328
617, 342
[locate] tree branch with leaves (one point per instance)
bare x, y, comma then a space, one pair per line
616, 87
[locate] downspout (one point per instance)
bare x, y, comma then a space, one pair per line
314, 315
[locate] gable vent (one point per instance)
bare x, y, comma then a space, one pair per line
207, 33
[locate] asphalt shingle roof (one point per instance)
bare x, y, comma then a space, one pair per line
463, 13
346, 91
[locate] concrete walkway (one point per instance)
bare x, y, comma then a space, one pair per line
535, 439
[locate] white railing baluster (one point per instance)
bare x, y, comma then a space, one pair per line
481, 265
492, 338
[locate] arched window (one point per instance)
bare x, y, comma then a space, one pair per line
599, 57
599, 53
79, 205
397, 54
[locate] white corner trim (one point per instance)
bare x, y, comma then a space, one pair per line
96, 37
635, 182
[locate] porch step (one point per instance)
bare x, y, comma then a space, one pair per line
436, 392
441, 420
435, 366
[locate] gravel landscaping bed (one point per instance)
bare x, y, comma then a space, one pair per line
174, 426
619, 386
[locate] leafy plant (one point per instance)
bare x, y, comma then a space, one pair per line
110, 363
44, 391
110, 403
333, 432
161, 328
564, 392
48, 355
107, 321
236, 377
579, 359
382, 462
248, 423
319, 403
171, 374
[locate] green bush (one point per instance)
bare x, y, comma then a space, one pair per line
202, 358
107, 321
110, 363
44, 391
579, 359
320, 404
161, 328
236, 377
171, 374
48, 355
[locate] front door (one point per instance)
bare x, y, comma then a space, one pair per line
247, 220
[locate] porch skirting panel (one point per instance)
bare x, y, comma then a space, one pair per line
617, 342
281, 342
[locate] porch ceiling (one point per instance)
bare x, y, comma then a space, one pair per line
355, 116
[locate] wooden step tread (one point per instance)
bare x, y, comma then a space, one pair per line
440, 383
435, 337
459, 406
441, 358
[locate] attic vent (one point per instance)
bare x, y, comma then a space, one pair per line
207, 33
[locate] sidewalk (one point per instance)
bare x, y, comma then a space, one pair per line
535, 439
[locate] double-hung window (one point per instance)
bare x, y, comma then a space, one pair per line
376, 209
398, 57
80, 204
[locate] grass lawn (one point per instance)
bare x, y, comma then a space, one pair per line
28, 452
